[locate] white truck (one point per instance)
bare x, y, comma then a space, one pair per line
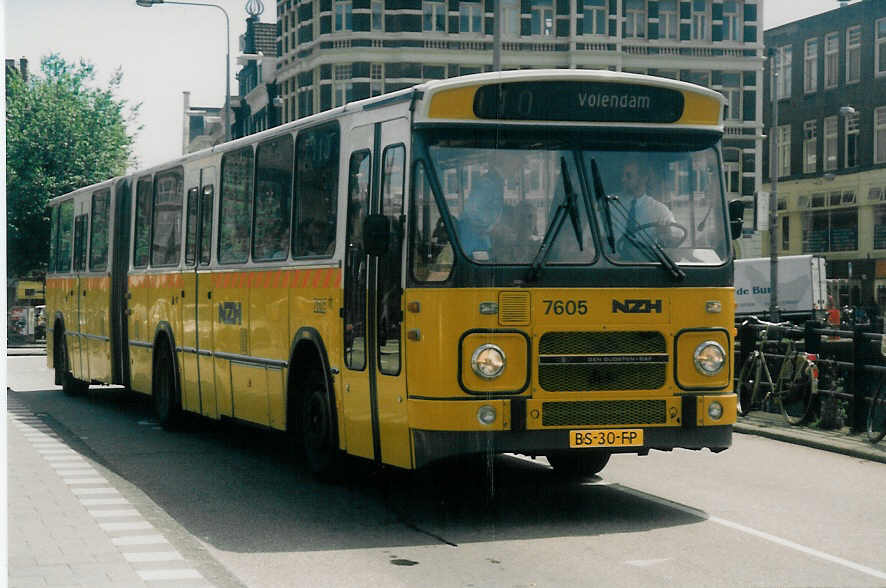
802, 287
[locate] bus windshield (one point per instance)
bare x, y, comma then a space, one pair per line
649, 201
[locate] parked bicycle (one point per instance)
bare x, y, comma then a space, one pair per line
877, 413
795, 388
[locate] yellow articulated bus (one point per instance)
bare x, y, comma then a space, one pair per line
536, 262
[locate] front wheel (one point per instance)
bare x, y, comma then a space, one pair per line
877, 415
581, 463
71, 386
797, 386
165, 397
319, 430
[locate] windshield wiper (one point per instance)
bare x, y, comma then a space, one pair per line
601, 196
568, 206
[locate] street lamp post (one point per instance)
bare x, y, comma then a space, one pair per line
773, 198
227, 114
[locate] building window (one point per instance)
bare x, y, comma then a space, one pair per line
668, 21
699, 20
783, 72
342, 87
731, 20
635, 19
880, 226
596, 17
810, 142
732, 91
376, 79
880, 47
434, 16
343, 15
810, 66
831, 60
851, 140
511, 18
470, 17
829, 156
783, 138
785, 233
378, 15
853, 54
732, 171
880, 135
543, 17
699, 78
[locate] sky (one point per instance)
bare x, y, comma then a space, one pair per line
166, 50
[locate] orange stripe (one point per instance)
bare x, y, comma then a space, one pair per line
328, 277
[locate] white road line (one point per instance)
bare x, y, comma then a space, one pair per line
139, 540
82, 465
761, 534
74, 457
183, 574
103, 501
92, 491
111, 513
76, 481
151, 556
76, 472
132, 526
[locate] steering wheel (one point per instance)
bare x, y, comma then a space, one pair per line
671, 241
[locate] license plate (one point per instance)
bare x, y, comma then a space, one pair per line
605, 438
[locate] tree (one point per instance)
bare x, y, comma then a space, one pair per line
62, 133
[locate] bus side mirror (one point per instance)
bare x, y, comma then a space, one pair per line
376, 234
736, 218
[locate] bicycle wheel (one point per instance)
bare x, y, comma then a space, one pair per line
748, 382
877, 414
797, 384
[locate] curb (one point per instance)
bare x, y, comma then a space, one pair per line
802, 437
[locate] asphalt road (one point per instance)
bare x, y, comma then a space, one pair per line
763, 513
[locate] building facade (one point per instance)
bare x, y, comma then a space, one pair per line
335, 51
259, 108
830, 82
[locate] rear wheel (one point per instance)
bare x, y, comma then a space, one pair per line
877, 415
797, 385
579, 463
165, 396
318, 427
70, 385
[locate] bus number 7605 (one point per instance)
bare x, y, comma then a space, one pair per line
569, 307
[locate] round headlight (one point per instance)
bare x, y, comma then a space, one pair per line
488, 361
709, 358
715, 411
486, 414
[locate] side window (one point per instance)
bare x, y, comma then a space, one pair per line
167, 241
142, 246
98, 239
191, 228
316, 191
206, 225
431, 250
53, 239
236, 206
80, 225
389, 266
355, 262
65, 236
273, 170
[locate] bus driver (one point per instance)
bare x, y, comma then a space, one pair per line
641, 213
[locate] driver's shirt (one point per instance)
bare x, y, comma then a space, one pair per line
642, 211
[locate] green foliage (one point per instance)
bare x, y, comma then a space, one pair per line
62, 133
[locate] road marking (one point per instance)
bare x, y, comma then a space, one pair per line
184, 574
120, 512
103, 501
76, 481
150, 556
75, 472
104, 490
756, 533
645, 563
139, 540
133, 526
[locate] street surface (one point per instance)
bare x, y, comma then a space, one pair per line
238, 504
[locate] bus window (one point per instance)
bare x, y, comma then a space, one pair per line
431, 249
80, 224
236, 206
142, 245
389, 267
191, 228
53, 238
355, 262
65, 235
316, 188
98, 239
273, 199
206, 225
166, 246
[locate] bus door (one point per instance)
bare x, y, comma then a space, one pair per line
121, 226
140, 338
190, 379
375, 387
78, 345
203, 294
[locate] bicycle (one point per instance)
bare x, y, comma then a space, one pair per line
877, 414
795, 388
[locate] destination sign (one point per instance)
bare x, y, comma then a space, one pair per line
578, 101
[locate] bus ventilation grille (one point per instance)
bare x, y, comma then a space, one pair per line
604, 412
513, 308
596, 373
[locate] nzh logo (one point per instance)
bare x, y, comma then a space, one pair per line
636, 306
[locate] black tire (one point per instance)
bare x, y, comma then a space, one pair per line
319, 428
580, 463
877, 415
165, 397
796, 386
71, 386
745, 387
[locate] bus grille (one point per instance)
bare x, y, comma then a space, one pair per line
604, 412
619, 360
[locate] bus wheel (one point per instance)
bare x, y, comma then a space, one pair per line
71, 386
165, 399
318, 427
578, 465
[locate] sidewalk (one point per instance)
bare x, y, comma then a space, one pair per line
773, 426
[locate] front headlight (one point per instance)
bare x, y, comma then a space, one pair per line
488, 361
709, 358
